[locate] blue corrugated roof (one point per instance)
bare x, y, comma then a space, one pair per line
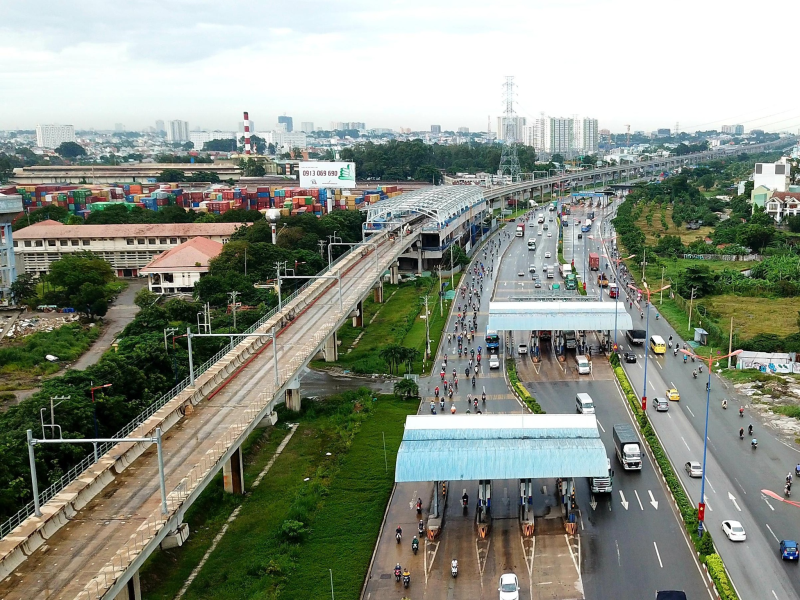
557, 316
474, 447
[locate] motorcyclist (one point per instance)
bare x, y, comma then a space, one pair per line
436, 391
465, 499
741, 411
406, 577
473, 381
741, 433
724, 403
750, 429
398, 531
415, 544
452, 409
454, 566
685, 358
483, 397
694, 373
398, 571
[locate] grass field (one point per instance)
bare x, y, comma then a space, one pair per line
22, 362
752, 316
341, 507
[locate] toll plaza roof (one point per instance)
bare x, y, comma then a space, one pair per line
500, 446
558, 316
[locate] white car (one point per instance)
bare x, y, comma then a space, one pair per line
734, 531
693, 468
509, 587
494, 362
547, 255
540, 232
522, 348
549, 234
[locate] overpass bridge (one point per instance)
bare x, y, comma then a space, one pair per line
101, 523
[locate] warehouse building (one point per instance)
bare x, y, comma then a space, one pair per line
127, 248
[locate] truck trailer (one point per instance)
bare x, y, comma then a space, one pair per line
594, 261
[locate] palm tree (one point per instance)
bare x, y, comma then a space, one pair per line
409, 356
392, 354
406, 388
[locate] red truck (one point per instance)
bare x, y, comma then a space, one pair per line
594, 261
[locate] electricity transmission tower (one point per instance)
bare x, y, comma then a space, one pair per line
508, 159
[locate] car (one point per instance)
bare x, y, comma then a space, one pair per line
630, 357
580, 236
547, 255
672, 394
660, 404
693, 468
566, 224
550, 219
532, 269
522, 349
789, 550
540, 232
537, 285
549, 234
734, 531
509, 587
494, 362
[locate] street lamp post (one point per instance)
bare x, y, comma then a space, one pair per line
701, 505
649, 293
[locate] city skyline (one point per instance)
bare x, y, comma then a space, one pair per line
126, 61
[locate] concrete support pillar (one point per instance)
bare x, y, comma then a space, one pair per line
293, 395
526, 505
358, 319
233, 473
378, 293
419, 258
331, 348
394, 274
132, 589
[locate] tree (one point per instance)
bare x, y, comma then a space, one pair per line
557, 158
794, 224
70, 150
406, 388
252, 168
171, 176
392, 355
454, 255
188, 146
79, 280
203, 176
220, 146
23, 288
271, 148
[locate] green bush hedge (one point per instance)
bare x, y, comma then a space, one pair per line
511, 368
704, 546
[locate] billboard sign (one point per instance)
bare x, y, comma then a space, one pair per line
327, 175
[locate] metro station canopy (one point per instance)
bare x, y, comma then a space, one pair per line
500, 446
557, 316
441, 203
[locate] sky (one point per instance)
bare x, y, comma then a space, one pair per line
408, 63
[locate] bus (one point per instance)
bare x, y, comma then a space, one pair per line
492, 342
613, 290
657, 344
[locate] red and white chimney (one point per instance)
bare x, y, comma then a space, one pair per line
246, 133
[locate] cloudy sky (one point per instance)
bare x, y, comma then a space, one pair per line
409, 63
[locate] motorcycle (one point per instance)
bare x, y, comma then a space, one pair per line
754, 444
419, 507
398, 536
797, 470
454, 568
421, 528
473, 381
725, 404
741, 412
397, 573
787, 490
406, 580
694, 374
415, 546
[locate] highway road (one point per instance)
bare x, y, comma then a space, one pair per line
735, 473
625, 549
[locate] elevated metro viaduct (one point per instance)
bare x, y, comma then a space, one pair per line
488, 447
554, 317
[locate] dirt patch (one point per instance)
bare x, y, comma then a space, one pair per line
651, 231
771, 399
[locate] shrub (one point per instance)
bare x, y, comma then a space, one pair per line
293, 531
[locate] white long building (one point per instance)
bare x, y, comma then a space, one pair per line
52, 136
127, 248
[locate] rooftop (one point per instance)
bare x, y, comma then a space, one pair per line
558, 316
192, 255
50, 229
441, 203
500, 446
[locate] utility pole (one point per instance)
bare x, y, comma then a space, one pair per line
661, 298
427, 329
232, 295
691, 300
730, 344
321, 248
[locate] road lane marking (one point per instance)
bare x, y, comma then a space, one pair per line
711, 486
651, 385
690, 410
739, 484
600, 426
733, 499
673, 385
624, 502
619, 560
685, 444
658, 555
774, 594
653, 501
638, 500
767, 501
772, 532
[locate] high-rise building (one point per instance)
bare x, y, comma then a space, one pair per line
307, 127
178, 131
519, 124
287, 121
240, 127
663, 132
119, 127
160, 125
733, 129
198, 138
291, 140
436, 129
559, 135
589, 136
463, 130
52, 136
358, 125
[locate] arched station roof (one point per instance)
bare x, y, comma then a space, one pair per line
441, 203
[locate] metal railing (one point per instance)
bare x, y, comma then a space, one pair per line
47, 494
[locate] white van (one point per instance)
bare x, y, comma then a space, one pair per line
584, 366
584, 404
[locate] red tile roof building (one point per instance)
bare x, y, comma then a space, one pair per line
177, 270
